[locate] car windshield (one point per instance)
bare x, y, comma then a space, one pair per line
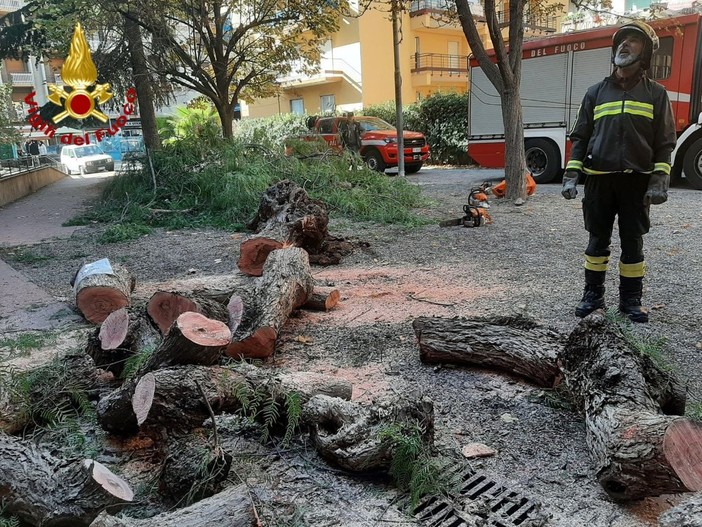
89, 150
369, 124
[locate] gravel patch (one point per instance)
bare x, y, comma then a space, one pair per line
529, 261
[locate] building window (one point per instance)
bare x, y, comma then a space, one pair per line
662, 59
297, 106
327, 103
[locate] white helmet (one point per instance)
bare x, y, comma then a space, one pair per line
641, 28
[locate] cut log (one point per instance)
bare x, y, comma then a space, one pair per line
122, 335
687, 514
177, 404
41, 489
193, 469
230, 508
19, 409
350, 435
286, 285
638, 450
286, 216
512, 344
192, 339
322, 299
101, 288
165, 307
332, 251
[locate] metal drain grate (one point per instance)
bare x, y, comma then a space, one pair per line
504, 507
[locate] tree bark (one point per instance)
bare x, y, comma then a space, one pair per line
513, 344
638, 450
231, 507
142, 81
286, 285
286, 216
322, 299
41, 489
515, 159
178, 405
122, 335
194, 469
76, 370
350, 435
192, 339
97, 294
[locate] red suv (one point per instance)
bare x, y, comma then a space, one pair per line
378, 142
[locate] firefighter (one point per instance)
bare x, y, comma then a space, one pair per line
622, 141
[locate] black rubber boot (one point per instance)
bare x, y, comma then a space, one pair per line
630, 291
593, 298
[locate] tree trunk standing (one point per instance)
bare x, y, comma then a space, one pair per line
226, 116
142, 82
505, 75
515, 159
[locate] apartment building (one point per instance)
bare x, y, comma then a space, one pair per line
357, 65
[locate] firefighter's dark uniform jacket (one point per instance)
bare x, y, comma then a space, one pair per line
623, 131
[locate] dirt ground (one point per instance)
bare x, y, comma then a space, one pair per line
529, 261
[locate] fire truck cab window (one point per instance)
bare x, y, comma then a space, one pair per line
662, 60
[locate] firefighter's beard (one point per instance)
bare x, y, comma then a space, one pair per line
622, 61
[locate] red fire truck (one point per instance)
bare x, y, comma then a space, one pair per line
556, 72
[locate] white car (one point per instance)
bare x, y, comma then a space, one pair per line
85, 159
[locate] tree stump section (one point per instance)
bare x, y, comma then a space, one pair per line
192, 339
512, 344
178, 406
349, 435
193, 469
121, 335
687, 514
322, 299
41, 489
101, 288
638, 450
286, 216
231, 507
165, 307
286, 285
75, 372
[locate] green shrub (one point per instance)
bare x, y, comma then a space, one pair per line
271, 132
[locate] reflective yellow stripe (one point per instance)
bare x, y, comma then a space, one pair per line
662, 167
596, 172
635, 270
639, 108
596, 263
574, 165
643, 109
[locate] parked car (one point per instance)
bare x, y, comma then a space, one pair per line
378, 141
85, 159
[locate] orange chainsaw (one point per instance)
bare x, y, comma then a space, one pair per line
475, 210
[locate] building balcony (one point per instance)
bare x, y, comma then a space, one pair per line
438, 15
329, 71
533, 22
22, 79
437, 69
9, 6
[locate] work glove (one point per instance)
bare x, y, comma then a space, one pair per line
570, 180
657, 192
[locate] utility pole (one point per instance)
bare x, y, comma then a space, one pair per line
396, 7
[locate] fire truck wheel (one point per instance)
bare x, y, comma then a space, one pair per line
375, 161
542, 159
692, 164
413, 168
